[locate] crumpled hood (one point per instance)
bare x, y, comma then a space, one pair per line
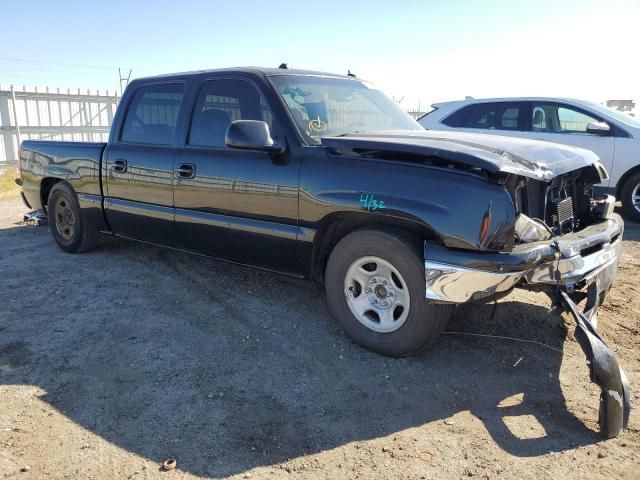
493, 153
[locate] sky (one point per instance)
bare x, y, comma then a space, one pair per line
418, 52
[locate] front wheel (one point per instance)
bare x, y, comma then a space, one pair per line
66, 222
375, 288
630, 197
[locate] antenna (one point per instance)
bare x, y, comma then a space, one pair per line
349, 74
284, 66
124, 80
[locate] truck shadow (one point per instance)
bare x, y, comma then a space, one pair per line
226, 368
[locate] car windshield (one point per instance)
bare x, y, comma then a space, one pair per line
329, 106
616, 114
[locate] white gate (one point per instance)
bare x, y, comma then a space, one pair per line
48, 115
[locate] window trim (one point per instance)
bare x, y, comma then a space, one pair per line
194, 103
120, 141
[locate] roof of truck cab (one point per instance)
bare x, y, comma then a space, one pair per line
253, 70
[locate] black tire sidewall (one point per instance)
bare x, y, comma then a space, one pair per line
626, 198
418, 330
63, 190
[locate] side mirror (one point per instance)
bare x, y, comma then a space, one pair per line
598, 128
251, 135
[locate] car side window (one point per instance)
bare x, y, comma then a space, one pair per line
572, 121
153, 113
487, 116
555, 118
221, 102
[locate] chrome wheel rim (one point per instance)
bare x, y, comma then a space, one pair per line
635, 198
377, 294
64, 218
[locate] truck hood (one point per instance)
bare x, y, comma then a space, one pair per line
493, 153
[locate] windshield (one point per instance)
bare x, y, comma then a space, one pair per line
329, 107
616, 114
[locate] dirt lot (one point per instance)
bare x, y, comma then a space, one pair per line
112, 361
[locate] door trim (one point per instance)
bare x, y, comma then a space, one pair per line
237, 224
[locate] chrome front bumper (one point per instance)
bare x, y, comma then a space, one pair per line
572, 262
582, 264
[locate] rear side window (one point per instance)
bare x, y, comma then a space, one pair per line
487, 116
221, 102
153, 114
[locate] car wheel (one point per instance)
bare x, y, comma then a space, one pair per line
630, 197
375, 288
67, 225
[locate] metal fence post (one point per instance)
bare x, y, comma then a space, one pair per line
15, 116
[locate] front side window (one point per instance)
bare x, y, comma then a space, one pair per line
153, 113
221, 102
555, 118
329, 106
572, 121
487, 116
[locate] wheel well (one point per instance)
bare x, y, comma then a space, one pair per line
629, 173
339, 226
45, 188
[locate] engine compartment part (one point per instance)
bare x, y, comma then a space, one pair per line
563, 204
602, 208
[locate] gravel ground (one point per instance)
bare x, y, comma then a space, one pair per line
115, 360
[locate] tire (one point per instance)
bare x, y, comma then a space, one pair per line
396, 332
66, 222
630, 189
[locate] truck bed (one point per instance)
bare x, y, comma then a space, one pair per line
76, 162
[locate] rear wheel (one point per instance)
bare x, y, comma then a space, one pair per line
630, 197
376, 290
67, 225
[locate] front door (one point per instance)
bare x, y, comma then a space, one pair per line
234, 204
138, 170
561, 123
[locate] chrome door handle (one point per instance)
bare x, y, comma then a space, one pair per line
186, 170
119, 166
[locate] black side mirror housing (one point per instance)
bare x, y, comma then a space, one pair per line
251, 135
599, 128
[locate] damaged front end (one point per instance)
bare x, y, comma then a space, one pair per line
567, 245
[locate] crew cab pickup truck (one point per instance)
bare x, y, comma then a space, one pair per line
322, 176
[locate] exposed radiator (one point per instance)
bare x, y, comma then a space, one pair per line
564, 213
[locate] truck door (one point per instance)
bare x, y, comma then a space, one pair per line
234, 204
138, 171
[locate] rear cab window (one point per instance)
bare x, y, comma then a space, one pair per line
153, 114
488, 116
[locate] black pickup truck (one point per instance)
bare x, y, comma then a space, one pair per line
322, 176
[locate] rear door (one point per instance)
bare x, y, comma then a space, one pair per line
498, 118
138, 170
561, 123
238, 205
